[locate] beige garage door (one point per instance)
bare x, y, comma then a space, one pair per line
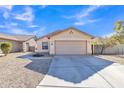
70, 47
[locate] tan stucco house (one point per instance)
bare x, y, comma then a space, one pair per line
21, 43
68, 41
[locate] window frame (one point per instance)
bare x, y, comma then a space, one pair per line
45, 47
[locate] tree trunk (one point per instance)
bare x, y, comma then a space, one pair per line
102, 50
92, 48
5, 54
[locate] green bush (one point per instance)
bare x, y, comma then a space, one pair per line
6, 47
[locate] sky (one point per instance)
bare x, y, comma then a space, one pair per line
40, 20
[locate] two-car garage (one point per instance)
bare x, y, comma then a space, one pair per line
71, 47
70, 41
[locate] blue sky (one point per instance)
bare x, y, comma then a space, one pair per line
40, 20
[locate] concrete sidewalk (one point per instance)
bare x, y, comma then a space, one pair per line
83, 71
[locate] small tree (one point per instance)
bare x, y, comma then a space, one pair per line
119, 29
116, 38
104, 43
6, 47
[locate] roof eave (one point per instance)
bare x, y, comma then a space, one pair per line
54, 33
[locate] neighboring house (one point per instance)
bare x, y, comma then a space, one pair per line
21, 43
69, 41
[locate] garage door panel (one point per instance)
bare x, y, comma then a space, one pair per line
70, 47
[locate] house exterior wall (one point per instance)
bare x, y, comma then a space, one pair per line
39, 44
70, 34
32, 45
17, 46
89, 49
22, 46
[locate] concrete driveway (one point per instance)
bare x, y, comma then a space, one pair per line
83, 71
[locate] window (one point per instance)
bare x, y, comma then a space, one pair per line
45, 45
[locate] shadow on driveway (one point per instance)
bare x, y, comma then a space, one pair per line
37, 64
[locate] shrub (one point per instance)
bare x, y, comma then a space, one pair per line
6, 47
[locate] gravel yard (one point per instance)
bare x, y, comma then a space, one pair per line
114, 58
17, 72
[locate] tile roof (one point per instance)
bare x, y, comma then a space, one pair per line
16, 37
23, 37
59, 31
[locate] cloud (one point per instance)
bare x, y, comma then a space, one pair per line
14, 24
13, 28
16, 30
26, 16
8, 7
40, 31
81, 17
83, 13
108, 35
6, 14
2, 26
22, 31
79, 23
43, 6
84, 22
33, 26
69, 17
87, 12
6, 10
92, 20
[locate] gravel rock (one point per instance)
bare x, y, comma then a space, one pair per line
17, 72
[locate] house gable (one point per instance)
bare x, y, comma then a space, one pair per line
71, 34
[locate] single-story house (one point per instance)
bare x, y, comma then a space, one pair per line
21, 43
68, 41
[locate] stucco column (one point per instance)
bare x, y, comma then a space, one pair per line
24, 46
52, 47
